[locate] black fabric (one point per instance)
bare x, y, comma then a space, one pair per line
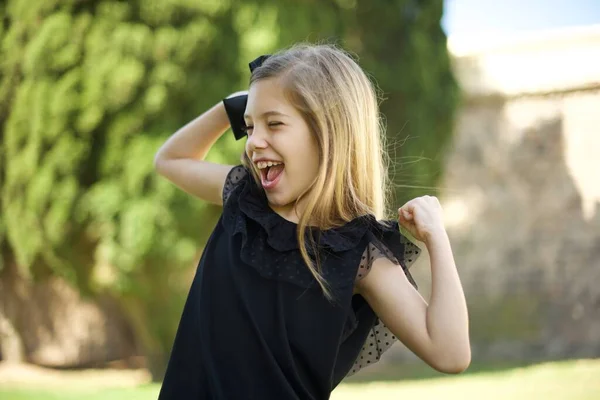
258, 61
256, 325
236, 106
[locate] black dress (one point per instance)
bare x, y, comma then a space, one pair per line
257, 326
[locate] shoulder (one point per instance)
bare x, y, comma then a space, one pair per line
387, 246
237, 176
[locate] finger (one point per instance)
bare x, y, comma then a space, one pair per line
409, 205
403, 221
405, 214
408, 225
401, 218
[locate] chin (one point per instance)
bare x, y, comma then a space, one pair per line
281, 200
277, 199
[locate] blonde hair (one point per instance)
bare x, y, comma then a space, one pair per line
339, 104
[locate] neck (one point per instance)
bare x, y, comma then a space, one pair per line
288, 212
291, 211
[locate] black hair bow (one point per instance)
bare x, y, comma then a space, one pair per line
235, 106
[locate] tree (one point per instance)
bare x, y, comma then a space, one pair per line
88, 91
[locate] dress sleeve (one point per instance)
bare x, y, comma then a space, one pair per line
235, 176
389, 243
404, 255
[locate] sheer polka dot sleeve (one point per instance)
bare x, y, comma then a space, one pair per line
235, 176
376, 249
380, 338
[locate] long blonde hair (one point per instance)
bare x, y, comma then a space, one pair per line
339, 104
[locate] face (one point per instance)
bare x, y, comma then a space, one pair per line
283, 151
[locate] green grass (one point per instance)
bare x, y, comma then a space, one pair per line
569, 380
145, 392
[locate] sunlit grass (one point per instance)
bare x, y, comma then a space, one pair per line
570, 380
146, 392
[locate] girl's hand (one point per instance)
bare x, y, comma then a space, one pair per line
422, 217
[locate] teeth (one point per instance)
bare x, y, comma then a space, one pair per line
265, 164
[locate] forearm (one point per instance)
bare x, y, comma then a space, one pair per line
195, 139
447, 316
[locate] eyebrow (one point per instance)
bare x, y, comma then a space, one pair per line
269, 114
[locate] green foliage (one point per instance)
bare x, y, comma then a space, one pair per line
88, 92
90, 89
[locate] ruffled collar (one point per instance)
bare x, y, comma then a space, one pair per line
268, 242
281, 234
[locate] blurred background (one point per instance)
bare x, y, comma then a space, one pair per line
492, 106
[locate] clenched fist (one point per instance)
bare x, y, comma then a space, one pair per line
422, 217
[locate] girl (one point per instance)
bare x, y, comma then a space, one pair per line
300, 283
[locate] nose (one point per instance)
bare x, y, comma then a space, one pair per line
258, 139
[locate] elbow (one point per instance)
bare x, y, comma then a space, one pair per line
455, 364
455, 368
159, 162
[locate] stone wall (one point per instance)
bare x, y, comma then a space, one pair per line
521, 191
520, 194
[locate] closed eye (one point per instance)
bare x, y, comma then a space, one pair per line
248, 128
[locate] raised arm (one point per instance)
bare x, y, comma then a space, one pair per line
437, 332
181, 158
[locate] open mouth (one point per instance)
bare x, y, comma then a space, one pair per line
270, 172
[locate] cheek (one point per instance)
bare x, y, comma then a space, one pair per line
306, 164
248, 152
312, 154
302, 151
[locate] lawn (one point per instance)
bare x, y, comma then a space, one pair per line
569, 380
